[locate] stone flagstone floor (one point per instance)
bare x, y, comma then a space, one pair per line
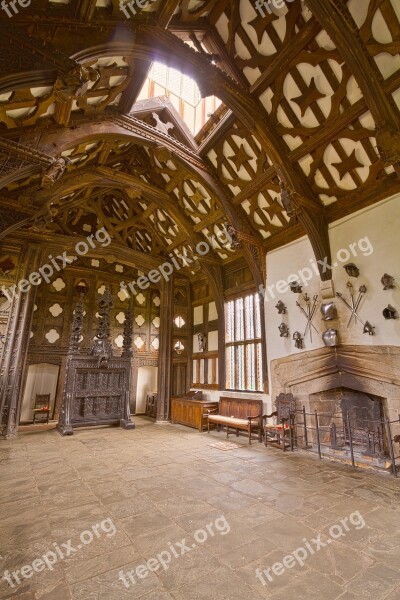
158, 485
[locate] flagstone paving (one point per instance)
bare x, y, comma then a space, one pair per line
153, 489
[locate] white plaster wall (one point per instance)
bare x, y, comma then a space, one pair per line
198, 315
212, 345
214, 396
147, 382
375, 235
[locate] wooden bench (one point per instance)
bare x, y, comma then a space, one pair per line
238, 414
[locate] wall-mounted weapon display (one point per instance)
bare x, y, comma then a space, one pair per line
328, 311
388, 282
309, 313
282, 310
390, 312
352, 270
368, 328
330, 337
355, 305
284, 330
295, 287
298, 340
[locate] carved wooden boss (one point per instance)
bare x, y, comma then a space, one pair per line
97, 385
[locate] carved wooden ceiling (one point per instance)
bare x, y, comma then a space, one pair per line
308, 131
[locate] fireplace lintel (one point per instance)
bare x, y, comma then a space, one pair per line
369, 369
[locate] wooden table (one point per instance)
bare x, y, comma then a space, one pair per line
186, 411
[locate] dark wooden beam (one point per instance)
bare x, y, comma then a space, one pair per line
335, 18
166, 12
285, 56
85, 10
130, 94
217, 133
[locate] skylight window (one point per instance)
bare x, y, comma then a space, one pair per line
183, 93
173, 81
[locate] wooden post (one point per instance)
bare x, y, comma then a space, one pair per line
350, 438
318, 437
305, 427
165, 351
390, 444
16, 346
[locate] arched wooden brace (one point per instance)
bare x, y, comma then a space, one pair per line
336, 19
251, 113
144, 133
211, 265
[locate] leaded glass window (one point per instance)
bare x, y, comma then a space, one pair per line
244, 369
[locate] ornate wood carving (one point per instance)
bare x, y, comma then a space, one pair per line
336, 19
128, 333
96, 395
16, 347
76, 329
97, 386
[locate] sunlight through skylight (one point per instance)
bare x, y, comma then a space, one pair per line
183, 93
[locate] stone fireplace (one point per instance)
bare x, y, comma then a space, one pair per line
343, 412
354, 389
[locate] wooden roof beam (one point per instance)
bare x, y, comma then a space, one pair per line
336, 19
212, 81
85, 10
129, 95
166, 12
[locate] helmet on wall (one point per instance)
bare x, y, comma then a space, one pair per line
330, 338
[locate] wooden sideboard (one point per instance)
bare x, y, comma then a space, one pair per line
187, 411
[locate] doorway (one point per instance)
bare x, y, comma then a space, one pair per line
41, 379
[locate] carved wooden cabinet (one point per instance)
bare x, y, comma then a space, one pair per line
95, 394
187, 411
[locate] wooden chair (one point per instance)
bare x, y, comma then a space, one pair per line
151, 405
41, 408
284, 422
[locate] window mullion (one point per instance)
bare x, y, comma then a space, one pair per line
242, 369
254, 315
245, 366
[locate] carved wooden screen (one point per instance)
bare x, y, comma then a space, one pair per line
99, 394
96, 395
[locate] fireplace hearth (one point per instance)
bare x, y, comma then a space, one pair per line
349, 418
347, 401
